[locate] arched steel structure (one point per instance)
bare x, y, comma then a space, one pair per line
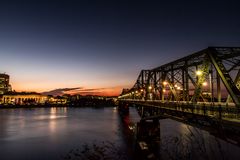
211, 75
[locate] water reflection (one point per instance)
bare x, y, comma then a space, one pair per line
52, 125
50, 133
181, 141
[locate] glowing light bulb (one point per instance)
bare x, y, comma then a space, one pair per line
198, 73
165, 83
204, 84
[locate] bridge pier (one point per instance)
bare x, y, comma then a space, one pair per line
123, 107
148, 139
148, 131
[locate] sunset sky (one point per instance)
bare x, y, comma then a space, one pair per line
99, 47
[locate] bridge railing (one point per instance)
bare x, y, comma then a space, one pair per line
216, 110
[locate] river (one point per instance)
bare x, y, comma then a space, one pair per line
94, 133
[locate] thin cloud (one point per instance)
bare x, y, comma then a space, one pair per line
111, 91
60, 91
90, 89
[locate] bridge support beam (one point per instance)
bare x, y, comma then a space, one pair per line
227, 80
218, 89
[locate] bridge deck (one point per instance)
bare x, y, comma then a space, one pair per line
221, 111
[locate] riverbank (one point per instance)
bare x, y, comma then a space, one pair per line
54, 105
79, 103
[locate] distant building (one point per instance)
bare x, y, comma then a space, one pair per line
23, 98
4, 84
57, 100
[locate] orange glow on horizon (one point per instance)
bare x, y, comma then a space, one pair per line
106, 91
90, 87
113, 91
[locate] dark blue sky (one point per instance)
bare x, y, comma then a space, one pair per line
75, 43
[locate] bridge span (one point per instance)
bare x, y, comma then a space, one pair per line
204, 86
210, 75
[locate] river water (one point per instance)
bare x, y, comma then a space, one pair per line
90, 133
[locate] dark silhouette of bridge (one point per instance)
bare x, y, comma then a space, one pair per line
203, 86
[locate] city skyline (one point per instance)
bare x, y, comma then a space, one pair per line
100, 47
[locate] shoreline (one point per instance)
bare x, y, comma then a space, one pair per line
52, 105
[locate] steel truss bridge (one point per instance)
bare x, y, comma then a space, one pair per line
203, 84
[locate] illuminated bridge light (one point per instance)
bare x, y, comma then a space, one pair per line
165, 83
204, 84
150, 87
198, 73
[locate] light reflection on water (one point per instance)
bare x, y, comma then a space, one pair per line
48, 133
181, 141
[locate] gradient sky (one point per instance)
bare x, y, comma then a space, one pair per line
102, 45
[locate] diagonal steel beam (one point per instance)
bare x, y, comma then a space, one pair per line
237, 82
226, 78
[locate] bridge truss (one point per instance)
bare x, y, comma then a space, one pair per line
211, 75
